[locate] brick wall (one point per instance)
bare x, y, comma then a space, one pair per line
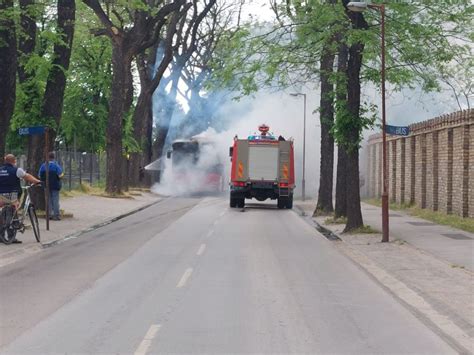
433, 167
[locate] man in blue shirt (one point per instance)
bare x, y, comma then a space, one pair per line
10, 186
55, 175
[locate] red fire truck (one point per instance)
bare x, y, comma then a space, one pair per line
262, 168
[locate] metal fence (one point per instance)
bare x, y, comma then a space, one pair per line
78, 167
81, 167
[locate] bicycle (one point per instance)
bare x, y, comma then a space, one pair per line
11, 222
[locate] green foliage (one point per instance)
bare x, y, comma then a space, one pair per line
130, 145
426, 43
88, 87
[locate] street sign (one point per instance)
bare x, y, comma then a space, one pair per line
28, 131
397, 130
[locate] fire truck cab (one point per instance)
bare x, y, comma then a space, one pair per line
262, 168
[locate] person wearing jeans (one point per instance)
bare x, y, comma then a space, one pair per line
55, 175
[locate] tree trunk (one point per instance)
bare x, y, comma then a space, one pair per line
354, 214
27, 41
324, 204
142, 130
341, 109
114, 147
54, 93
341, 184
8, 66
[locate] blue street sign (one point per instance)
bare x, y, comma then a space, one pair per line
397, 130
28, 131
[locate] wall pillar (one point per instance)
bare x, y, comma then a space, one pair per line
460, 178
429, 170
400, 196
420, 172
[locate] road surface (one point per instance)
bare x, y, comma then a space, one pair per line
190, 275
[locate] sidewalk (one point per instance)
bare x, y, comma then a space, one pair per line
87, 210
426, 270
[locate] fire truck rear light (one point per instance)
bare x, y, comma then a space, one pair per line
283, 184
239, 183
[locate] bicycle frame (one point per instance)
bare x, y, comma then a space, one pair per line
16, 221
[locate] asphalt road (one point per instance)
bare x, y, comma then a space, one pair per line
193, 276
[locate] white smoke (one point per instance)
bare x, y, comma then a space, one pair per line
282, 112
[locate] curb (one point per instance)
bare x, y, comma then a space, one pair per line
97, 226
32, 249
329, 234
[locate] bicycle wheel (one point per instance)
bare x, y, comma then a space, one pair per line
7, 232
34, 222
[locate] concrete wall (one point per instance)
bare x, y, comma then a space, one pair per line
433, 167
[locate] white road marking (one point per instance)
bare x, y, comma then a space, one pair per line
222, 213
146, 342
201, 249
184, 278
211, 232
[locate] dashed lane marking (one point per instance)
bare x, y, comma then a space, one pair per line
222, 213
211, 232
201, 249
184, 278
146, 342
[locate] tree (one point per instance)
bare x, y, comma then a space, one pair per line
151, 74
353, 128
131, 28
8, 64
340, 209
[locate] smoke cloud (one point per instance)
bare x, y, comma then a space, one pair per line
282, 112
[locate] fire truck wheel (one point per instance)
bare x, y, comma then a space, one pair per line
233, 202
241, 203
289, 203
281, 203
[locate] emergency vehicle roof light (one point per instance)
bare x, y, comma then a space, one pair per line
263, 128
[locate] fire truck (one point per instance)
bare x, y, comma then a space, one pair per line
262, 168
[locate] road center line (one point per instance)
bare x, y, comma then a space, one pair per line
146, 342
201, 249
184, 278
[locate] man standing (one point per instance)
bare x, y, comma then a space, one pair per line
10, 186
55, 175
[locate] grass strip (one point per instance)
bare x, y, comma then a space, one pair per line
451, 220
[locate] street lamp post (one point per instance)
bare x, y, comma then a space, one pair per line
303, 183
356, 6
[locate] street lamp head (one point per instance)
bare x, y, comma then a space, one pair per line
357, 6
295, 94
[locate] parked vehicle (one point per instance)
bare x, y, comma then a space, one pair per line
262, 168
195, 164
